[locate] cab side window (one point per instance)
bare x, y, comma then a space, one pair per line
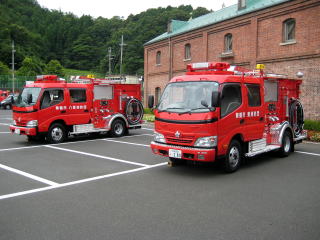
78, 95
254, 98
51, 97
230, 98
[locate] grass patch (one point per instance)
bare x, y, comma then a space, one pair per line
148, 111
148, 117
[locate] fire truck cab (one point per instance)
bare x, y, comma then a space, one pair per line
215, 111
3, 94
53, 109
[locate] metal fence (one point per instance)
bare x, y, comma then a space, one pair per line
19, 81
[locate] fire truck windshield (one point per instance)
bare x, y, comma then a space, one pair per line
187, 97
28, 97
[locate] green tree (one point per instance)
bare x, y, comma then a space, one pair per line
4, 69
54, 67
30, 67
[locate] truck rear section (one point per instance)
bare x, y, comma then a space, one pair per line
53, 109
214, 112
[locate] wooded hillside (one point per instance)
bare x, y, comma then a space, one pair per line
80, 42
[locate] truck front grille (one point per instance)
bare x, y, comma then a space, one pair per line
179, 140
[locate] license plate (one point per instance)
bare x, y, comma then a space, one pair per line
17, 131
175, 153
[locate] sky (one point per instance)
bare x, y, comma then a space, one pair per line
123, 8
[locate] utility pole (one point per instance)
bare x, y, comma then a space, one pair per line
121, 53
110, 57
12, 67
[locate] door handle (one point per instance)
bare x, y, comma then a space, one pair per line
63, 111
86, 110
242, 121
261, 119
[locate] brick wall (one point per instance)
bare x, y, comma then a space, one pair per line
257, 38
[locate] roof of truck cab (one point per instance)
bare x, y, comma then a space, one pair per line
216, 78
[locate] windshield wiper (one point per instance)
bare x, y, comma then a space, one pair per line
190, 110
166, 109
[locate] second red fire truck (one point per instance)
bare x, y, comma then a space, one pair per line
218, 112
53, 109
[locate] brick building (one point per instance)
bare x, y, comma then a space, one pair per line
282, 34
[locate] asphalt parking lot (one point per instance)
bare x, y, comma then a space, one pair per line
115, 188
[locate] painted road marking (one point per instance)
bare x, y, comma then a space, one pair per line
19, 148
5, 132
79, 181
308, 153
149, 129
28, 175
97, 156
136, 144
5, 124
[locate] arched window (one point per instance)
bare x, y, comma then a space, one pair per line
187, 51
228, 43
157, 95
289, 28
158, 58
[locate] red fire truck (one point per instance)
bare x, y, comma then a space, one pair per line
215, 111
54, 109
3, 94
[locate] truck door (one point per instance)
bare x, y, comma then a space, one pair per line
254, 126
52, 104
79, 106
232, 115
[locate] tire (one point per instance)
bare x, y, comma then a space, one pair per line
118, 128
233, 157
8, 107
286, 145
57, 133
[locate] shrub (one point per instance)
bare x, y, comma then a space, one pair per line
148, 111
312, 125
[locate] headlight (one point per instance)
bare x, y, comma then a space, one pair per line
159, 138
206, 142
32, 123
14, 122
2, 102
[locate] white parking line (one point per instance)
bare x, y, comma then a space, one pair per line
28, 175
79, 181
5, 124
19, 148
308, 153
97, 156
5, 132
136, 144
149, 129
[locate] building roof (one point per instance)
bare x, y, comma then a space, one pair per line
180, 27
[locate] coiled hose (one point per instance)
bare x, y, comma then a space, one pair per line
296, 117
134, 111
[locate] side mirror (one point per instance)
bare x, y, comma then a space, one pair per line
29, 98
215, 99
12, 99
150, 101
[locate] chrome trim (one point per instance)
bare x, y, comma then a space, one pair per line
118, 115
181, 147
266, 149
284, 126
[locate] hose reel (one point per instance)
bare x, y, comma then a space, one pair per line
296, 117
134, 111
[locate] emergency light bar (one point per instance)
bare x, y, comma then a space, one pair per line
220, 66
46, 77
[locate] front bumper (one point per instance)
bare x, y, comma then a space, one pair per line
187, 153
23, 130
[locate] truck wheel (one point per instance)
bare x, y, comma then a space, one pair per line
57, 133
286, 145
117, 128
233, 158
8, 107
